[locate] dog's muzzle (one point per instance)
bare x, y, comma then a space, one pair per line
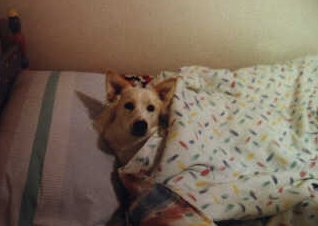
139, 128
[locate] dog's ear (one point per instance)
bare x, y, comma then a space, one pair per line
115, 84
166, 89
100, 122
106, 117
93, 106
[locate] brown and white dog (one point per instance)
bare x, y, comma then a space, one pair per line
133, 114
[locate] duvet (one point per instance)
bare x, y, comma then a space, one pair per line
241, 149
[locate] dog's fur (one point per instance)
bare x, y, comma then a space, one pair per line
133, 114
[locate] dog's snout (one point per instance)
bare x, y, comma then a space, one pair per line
139, 128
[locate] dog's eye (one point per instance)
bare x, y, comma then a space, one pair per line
129, 106
150, 108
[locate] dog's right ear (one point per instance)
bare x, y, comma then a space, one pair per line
115, 84
106, 117
100, 122
166, 90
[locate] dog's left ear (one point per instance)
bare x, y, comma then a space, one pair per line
166, 89
115, 84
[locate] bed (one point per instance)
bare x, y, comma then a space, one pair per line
241, 149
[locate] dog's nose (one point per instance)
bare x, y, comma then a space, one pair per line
139, 128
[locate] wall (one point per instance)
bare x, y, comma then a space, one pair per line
151, 35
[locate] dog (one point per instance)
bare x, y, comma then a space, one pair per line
132, 115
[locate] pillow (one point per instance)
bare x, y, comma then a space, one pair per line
51, 170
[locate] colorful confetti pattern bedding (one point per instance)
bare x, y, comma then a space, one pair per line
242, 149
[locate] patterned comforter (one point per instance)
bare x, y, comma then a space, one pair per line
241, 149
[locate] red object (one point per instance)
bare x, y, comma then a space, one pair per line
205, 172
302, 174
183, 144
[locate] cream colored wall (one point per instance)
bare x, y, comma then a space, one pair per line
151, 35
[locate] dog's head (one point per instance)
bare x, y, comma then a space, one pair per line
135, 112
